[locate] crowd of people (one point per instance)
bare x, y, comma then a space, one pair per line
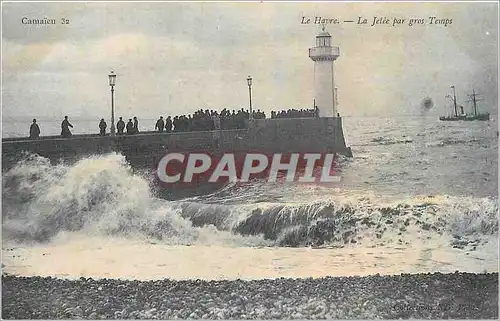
200, 120
296, 113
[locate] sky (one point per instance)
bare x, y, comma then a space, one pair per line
175, 58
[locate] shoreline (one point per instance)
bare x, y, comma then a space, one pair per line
430, 295
72, 256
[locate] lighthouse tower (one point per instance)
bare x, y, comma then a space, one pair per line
323, 55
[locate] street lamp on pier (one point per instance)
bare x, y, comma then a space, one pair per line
112, 82
249, 81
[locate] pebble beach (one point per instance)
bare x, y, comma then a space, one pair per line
422, 296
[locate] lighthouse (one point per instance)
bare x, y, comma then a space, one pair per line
323, 55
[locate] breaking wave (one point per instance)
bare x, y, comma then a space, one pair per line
102, 195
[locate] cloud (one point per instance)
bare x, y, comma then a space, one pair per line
179, 57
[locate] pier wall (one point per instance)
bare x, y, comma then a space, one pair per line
145, 149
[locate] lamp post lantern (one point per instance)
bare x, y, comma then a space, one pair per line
112, 82
249, 81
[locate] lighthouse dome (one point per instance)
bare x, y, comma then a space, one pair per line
324, 33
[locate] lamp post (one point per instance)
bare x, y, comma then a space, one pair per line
112, 82
249, 81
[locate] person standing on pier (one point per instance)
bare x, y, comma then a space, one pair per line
34, 130
102, 127
160, 124
120, 126
65, 132
136, 126
130, 127
216, 121
168, 124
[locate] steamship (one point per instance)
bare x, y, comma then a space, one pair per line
463, 116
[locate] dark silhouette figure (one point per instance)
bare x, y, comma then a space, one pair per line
102, 127
168, 124
176, 123
65, 132
120, 126
34, 130
338, 114
160, 124
130, 127
136, 125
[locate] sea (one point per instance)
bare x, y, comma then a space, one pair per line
419, 195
